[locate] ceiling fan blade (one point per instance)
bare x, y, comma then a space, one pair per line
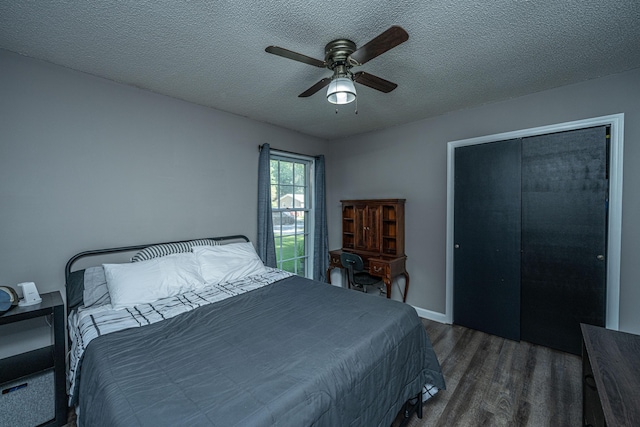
295, 56
379, 45
316, 87
374, 82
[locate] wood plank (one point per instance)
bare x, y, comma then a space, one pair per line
616, 370
493, 381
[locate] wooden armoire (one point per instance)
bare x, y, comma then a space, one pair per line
374, 229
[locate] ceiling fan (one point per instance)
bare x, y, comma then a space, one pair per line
340, 56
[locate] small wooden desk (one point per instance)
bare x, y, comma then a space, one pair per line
374, 230
387, 268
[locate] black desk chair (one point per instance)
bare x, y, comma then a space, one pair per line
356, 275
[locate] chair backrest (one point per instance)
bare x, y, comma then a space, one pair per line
350, 260
353, 263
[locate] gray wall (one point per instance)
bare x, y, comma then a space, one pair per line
87, 163
410, 162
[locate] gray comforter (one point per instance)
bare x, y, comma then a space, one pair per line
294, 353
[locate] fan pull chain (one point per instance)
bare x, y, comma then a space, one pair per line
356, 104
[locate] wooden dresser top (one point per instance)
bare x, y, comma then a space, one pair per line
615, 360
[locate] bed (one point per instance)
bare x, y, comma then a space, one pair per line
233, 342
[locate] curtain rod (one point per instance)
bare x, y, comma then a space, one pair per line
288, 152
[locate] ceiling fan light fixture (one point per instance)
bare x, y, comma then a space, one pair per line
341, 91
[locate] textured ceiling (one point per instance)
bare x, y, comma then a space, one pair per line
459, 53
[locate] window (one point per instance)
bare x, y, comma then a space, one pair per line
291, 200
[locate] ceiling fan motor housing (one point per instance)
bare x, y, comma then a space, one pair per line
337, 56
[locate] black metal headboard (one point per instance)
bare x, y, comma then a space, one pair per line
98, 252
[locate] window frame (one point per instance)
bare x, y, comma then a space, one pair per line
308, 210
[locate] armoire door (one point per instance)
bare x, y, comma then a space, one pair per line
564, 224
487, 238
367, 228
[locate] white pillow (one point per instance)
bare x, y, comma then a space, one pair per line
228, 262
148, 281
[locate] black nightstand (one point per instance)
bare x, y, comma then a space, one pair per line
45, 359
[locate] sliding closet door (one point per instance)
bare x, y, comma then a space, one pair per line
487, 238
564, 223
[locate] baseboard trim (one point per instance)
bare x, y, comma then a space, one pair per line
431, 315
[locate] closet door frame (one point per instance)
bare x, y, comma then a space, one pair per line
616, 124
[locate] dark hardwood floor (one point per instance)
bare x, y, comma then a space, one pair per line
492, 381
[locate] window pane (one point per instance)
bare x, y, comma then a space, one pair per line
274, 164
300, 174
288, 252
274, 196
278, 241
300, 223
299, 198
299, 245
277, 224
286, 173
286, 196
